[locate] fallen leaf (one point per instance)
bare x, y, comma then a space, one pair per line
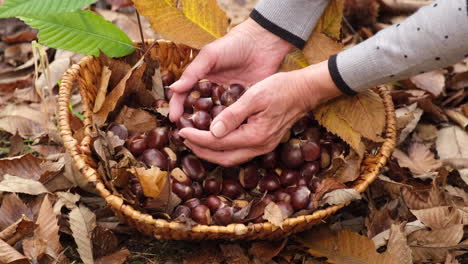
29, 121
152, 180
458, 117
34, 248
104, 241
351, 168
343, 246
16, 146
102, 88
397, 245
330, 21
48, 228
340, 196
440, 217
425, 132
432, 109
136, 120
321, 48
237, 12
265, 251
117, 257
452, 143
380, 219
407, 119
66, 199
274, 215
21, 185
420, 160
382, 238
9, 255
433, 81
294, 60
17, 231
325, 186
12, 209
27, 166
82, 224
234, 254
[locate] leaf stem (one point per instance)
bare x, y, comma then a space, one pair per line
141, 31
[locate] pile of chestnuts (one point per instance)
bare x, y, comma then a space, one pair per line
288, 176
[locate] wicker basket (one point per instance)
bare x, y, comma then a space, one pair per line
175, 57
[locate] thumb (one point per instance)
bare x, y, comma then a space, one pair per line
233, 116
196, 70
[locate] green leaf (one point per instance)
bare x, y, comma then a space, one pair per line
82, 32
26, 8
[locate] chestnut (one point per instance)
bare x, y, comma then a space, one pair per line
176, 139
119, 130
193, 167
270, 160
185, 121
300, 126
312, 134
197, 189
216, 93
327, 138
215, 111
203, 104
192, 203
310, 150
181, 211
171, 158
155, 158
204, 87
201, 120
212, 186
269, 182
291, 154
214, 203
282, 195
325, 158
183, 191
249, 176
223, 216
309, 169
168, 78
168, 93
201, 214
232, 94
231, 188
300, 198
179, 176
289, 177
190, 101
314, 182
157, 138
302, 181
286, 208
137, 144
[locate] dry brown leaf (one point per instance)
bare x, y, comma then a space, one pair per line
12, 209
34, 248
27, 120
117, 257
330, 21
420, 160
452, 143
343, 246
234, 254
382, 238
65, 199
114, 97
236, 11
9, 255
351, 168
407, 119
457, 192
397, 244
118, 68
321, 47
198, 22
433, 110
104, 241
274, 215
152, 180
440, 217
16, 231
102, 88
294, 60
340, 196
82, 224
27, 166
21, 185
136, 120
16, 146
327, 185
458, 117
425, 132
379, 220
433, 81
48, 228
265, 251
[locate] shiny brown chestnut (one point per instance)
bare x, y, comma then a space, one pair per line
204, 87
270, 160
181, 211
212, 186
269, 182
300, 198
310, 169
137, 144
289, 177
193, 167
203, 104
197, 189
192, 203
171, 158
214, 203
215, 111
157, 138
201, 120
291, 154
223, 216
155, 158
216, 93
231, 188
282, 195
286, 208
185, 121
168, 78
201, 214
249, 176
190, 101
183, 191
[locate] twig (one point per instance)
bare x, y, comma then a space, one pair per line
141, 32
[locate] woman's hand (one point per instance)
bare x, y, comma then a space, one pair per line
247, 54
270, 108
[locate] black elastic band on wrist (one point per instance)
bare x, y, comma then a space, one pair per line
275, 29
336, 77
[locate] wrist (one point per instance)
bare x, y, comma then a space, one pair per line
317, 85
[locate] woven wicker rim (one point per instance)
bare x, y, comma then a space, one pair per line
163, 229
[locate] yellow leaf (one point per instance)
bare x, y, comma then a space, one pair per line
152, 180
320, 48
294, 60
343, 247
194, 22
330, 21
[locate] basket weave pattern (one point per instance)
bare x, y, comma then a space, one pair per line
86, 75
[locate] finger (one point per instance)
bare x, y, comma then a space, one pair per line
196, 71
233, 116
224, 158
245, 136
176, 106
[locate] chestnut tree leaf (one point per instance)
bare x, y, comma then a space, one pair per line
136, 120
16, 231
191, 22
152, 180
9, 254
397, 244
441, 216
117, 257
340, 196
82, 223
26, 166
13, 8
21, 185
433, 81
48, 228
420, 160
274, 215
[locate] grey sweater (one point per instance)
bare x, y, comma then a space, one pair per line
435, 36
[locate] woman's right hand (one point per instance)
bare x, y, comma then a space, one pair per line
247, 54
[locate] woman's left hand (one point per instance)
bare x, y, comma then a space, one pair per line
270, 108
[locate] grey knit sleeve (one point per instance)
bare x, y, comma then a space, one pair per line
435, 36
292, 20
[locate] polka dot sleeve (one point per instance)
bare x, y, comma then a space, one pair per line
435, 36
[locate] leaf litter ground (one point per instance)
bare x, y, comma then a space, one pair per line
416, 212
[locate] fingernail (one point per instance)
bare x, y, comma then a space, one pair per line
218, 129
187, 144
175, 84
